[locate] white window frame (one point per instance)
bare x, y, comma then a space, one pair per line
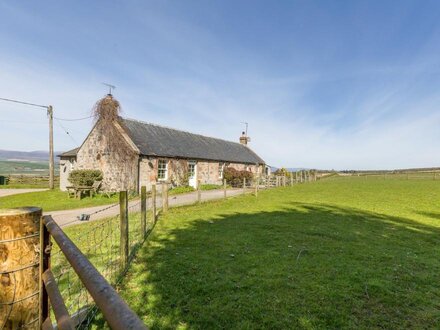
165, 170
194, 164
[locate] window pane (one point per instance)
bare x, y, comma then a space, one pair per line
162, 169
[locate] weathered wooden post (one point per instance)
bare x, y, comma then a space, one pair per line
224, 188
291, 179
199, 191
123, 215
153, 203
164, 197
20, 274
244, 186
256, 187
144, 211
284, 180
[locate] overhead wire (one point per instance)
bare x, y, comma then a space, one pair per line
73, 119
27, 103
65, 130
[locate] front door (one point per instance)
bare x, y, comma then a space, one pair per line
192, 174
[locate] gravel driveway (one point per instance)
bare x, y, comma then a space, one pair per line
69, 217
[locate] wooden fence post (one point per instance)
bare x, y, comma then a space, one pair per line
199, 191
164, 197
256, 187
224, 188
19, 238
291, 179
244, 186
144, 211
153, 202
123, 215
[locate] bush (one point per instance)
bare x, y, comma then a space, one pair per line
85, 177
235, 178
210, 186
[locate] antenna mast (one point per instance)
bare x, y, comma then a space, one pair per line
247, 124
110, 87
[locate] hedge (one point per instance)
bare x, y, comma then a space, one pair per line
85, 177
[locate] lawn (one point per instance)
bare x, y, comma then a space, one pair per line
52, 200
339, 254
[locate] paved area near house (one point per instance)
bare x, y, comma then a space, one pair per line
9, 192
70, 217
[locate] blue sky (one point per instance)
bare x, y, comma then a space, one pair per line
323, 84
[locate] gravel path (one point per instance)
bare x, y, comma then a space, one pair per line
10, 192
69, 217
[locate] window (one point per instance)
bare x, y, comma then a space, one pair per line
221, 167
162, 169
191, 169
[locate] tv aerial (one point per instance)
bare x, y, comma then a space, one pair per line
110, 87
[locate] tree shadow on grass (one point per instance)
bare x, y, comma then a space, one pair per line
306, 266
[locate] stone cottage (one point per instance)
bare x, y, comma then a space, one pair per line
154, 154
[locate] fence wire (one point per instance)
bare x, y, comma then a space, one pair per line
99, 241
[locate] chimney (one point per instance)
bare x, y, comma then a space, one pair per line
243, 139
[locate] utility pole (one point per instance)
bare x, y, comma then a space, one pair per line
51, 158
50, 116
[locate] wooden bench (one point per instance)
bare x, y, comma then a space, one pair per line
77, 191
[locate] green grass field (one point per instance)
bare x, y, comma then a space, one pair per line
53, 200
339, 254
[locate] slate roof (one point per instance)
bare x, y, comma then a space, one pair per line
155, 140
70, 153
160, 141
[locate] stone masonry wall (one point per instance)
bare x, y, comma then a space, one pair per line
207, 171
119, 168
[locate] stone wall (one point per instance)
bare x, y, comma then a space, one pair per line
207, 171
119, 168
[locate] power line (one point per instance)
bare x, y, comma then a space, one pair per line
65, 130
27, 103
73, 119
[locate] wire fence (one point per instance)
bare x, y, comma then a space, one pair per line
100, 242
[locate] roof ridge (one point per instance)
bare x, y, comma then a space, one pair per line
180, 130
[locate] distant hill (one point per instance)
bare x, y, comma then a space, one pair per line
26, 162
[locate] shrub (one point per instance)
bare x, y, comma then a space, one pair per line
283, 172
235, 178
85, 177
